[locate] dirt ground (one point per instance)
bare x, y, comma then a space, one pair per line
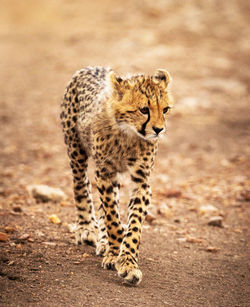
201, 170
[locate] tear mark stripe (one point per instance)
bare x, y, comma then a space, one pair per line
142, 131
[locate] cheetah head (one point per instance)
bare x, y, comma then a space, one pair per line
140, 103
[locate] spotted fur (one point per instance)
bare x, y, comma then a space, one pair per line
117, 121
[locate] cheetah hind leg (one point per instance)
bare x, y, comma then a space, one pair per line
86, 231
102, 238
86, 236
87, 227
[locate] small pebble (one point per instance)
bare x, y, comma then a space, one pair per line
24, 236
3, 237
45, 193
172, 193
9, 229
194, 240
150, 218
212, 249
208, 209
182, 240
49, 243
17, 209
165, 211
54, 219
215, 221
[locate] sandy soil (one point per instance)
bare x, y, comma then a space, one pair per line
203, 160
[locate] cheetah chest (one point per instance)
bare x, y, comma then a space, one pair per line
113, 152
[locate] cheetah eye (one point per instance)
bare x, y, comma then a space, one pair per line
165, 110
144, 110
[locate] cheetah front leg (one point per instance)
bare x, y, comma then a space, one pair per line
127, 262
109, 206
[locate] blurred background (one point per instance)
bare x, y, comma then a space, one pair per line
205, 45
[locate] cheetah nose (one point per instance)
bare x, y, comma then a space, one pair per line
157, 130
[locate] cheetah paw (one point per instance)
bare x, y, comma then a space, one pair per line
102, 248
85, 236
109, 261
129, 272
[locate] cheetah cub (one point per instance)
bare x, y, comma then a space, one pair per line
117, 121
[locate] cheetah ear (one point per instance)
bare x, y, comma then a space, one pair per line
162, 77
116, 83
115, 80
